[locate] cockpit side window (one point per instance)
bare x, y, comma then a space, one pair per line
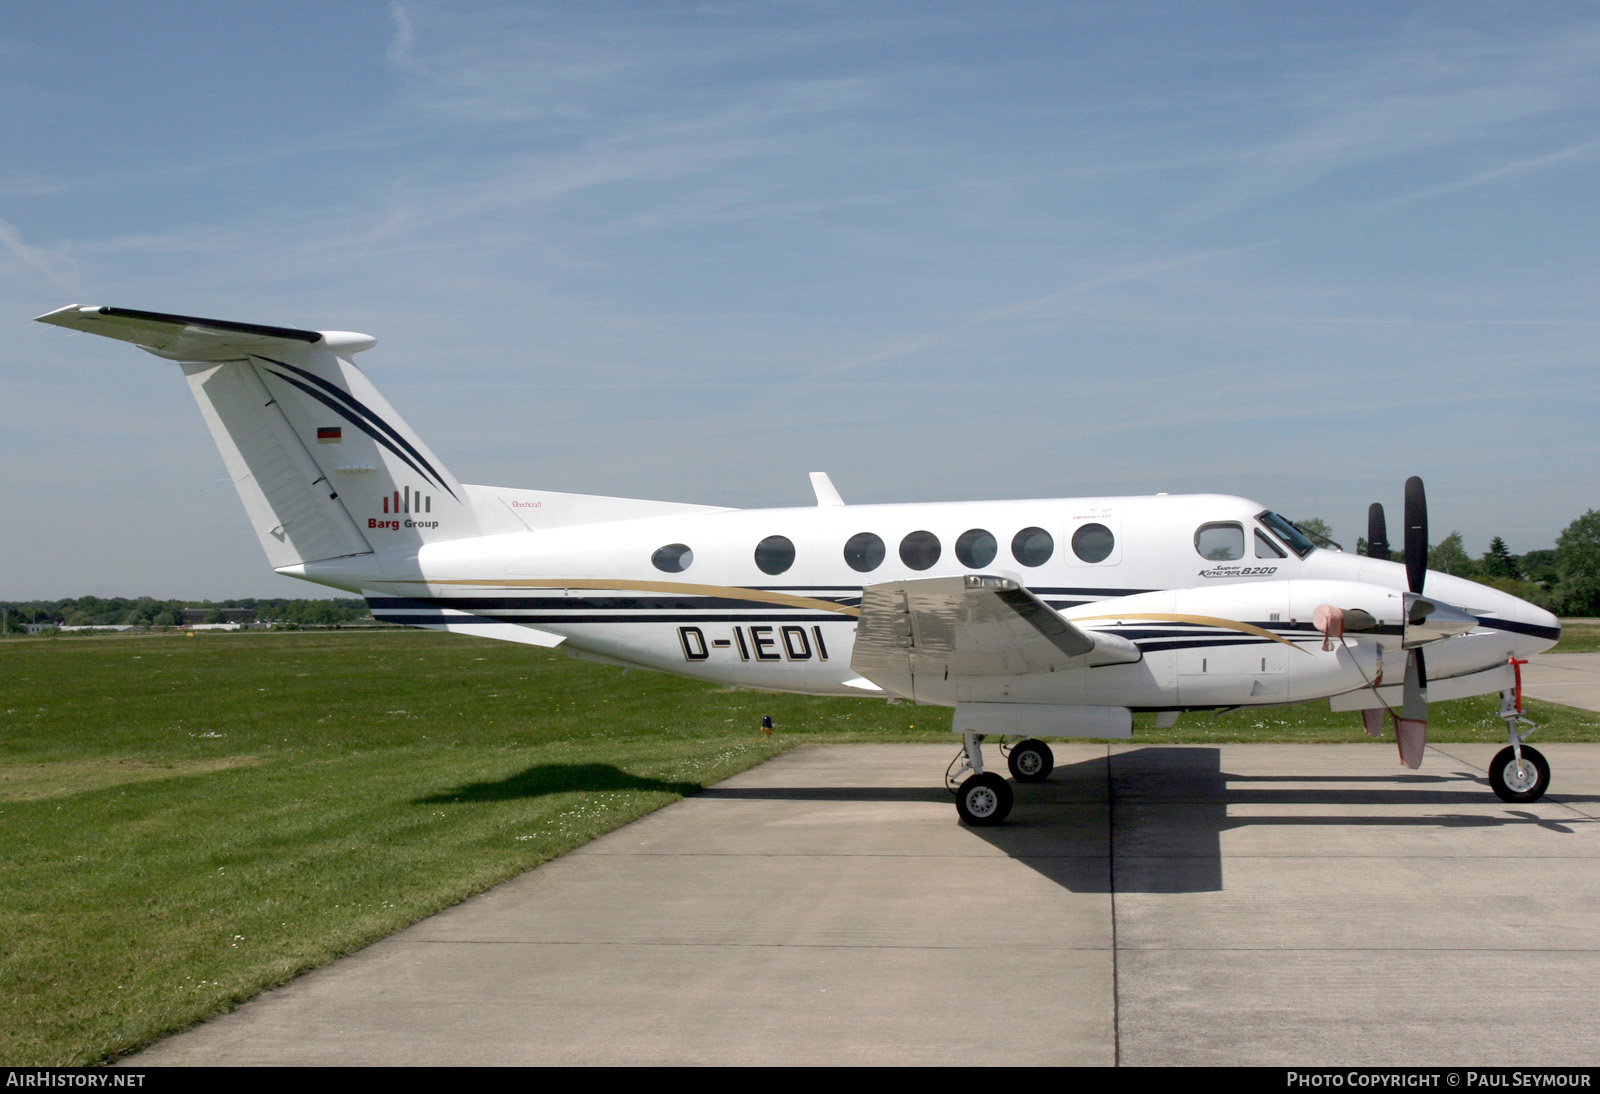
1287, 532
1220, 541
1265, 548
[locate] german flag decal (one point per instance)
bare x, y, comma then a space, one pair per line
329, 434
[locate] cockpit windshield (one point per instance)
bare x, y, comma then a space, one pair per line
1296, 539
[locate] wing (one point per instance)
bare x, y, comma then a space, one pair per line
922, 639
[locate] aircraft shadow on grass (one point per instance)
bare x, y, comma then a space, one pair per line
542, 780
1151, 820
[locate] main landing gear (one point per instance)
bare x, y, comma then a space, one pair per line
984, 798
1030, 761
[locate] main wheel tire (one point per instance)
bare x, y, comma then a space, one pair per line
984, 800
1526, 785
1031, 761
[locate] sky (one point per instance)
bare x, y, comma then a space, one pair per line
693, 251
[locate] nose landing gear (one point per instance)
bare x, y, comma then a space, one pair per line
1518, 772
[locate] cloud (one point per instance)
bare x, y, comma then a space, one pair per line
405, 37
56, 268
1405, 100
1583, 150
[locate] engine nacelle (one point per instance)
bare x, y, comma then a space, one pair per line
1255, 643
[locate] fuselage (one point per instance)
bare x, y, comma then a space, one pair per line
768, 598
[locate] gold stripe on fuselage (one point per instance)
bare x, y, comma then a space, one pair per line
724, 592
1204, 620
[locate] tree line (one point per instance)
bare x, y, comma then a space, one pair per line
147, 611
1564, 580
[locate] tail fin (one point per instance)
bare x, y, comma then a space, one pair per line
324, 466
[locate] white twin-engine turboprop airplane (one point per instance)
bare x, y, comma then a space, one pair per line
1049, 618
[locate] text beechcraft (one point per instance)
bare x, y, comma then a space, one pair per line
1051, 618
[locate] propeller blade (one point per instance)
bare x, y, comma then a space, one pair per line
1372, 721
1411, 724
1412, 738
1377, 533
1416, 534
1414, 703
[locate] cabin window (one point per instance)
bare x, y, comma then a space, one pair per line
920, 550
1032, 546
775, 554
1265, 548
1220, 541
863, 552
1093, 542
674, 558
976, 548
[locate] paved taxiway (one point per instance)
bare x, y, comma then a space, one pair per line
1572, 679
1267, 904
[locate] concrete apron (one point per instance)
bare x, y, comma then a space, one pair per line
1571, 679
1235, 904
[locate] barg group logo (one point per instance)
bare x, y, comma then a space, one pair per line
408, 503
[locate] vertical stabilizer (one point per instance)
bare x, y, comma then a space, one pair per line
325, 467
294, 509
397, 493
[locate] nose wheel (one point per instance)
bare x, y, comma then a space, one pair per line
1522, 778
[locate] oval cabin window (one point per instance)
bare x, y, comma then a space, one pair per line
775, 554
1032, 546
920, 550
1093, 542
976, 548
864, 552
674, 558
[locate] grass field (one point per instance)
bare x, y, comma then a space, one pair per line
187, 821
1578, 637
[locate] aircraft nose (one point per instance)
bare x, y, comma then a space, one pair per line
1531, 628
1528, 628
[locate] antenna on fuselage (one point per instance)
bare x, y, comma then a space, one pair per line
827, 493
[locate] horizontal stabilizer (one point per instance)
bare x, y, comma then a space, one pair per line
190, 338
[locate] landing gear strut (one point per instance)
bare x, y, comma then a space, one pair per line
1518, 772
982, 798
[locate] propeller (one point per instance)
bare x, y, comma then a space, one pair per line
1416, 535
1377, 533
1425, 621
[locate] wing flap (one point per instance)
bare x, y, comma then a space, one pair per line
947, 629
